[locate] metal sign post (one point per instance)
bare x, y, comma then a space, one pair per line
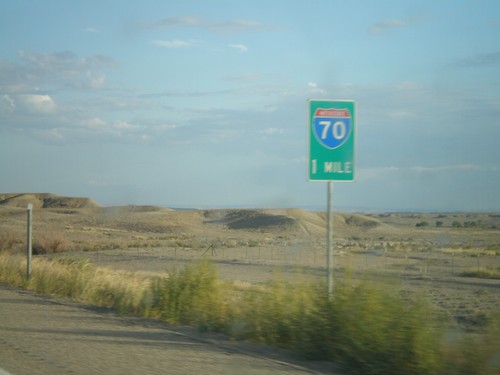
329, 238
331, 126
29, 245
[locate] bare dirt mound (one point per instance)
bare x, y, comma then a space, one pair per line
344, 224
312, 223
362, 221
45, 200
249, 219
132, 208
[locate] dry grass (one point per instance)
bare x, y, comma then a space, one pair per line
483, 273
122, 290
12, 269
469, 251
50, 243
8, 240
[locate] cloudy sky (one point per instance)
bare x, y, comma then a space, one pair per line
204, 103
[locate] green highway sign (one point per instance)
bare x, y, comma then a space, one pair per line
331, 132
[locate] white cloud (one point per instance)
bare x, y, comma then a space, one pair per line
7, 105
315, 89
117, 126
390, 171
274, 131
96, 80
94, 123
124, 125
163, 127
401, 114
62, 69
174, 43
37, 103
480, 60
245, 78
65, 61
455, 167
230, 26
386, 26
54, 134
91, 30
239, 47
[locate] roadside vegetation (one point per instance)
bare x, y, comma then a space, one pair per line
483, 273
364, 328
50, 243
8, 240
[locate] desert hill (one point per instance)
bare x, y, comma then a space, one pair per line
237, 219
293, 220
249, 219
46, 200
82, 214
88, 226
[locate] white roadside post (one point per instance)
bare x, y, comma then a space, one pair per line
331, 134
29, 245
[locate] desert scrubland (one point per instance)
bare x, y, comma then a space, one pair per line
451, 260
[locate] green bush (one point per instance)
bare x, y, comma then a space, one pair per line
375, 332
192, 296
274, 313
475, 353
363, 328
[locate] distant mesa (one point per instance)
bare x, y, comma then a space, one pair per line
46, 200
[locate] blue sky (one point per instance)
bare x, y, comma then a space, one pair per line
204, 103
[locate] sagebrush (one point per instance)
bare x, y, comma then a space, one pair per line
50, 243
8, 240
